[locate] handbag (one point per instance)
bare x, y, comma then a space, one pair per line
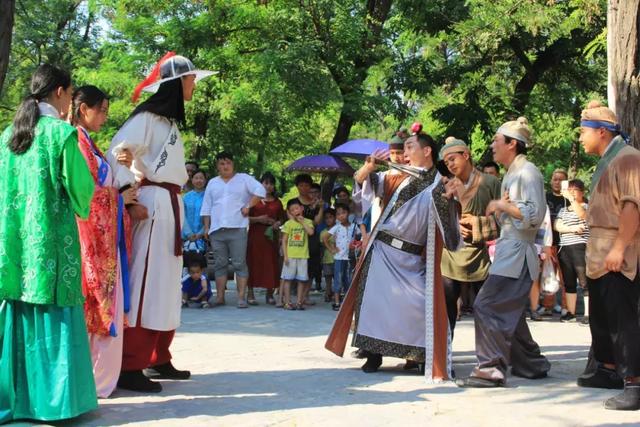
268, 233
550, 281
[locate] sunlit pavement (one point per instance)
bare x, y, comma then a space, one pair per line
266, 366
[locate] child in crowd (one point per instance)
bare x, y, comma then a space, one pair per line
295, 249
327, 257
343, 232
196, 287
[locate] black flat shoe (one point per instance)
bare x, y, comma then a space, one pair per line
372, 364
166, 371
628, 400
529, 376
136, 381
477, 382
601, 378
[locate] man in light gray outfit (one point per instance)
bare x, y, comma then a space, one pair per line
502, 334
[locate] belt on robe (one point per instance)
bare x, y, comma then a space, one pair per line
400, 244
173, 190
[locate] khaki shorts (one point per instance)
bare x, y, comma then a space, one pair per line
295, 270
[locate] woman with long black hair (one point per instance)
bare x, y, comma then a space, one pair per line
151, 134
45, 365
104, 243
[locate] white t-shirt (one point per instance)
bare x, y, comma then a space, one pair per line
223, 201
342, 235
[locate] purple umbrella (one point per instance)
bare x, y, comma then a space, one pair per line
359, 148
322, 163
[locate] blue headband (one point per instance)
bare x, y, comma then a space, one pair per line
597, 124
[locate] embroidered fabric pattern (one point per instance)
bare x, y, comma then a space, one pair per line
99, 255
39, 248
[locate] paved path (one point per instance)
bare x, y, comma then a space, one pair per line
265, 366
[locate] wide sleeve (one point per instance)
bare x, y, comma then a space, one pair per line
254, 187
628, 179
133, 136
530, 200
447, 213
76, 177
364, 194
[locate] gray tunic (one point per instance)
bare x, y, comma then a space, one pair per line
525, 185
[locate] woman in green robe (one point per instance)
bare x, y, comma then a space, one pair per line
45, 364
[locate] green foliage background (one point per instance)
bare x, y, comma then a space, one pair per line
291, 73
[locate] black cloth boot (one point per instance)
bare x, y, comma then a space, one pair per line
136, 381
601, 378
166, 371
372, 364
628, 400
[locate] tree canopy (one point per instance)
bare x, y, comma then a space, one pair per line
300, 77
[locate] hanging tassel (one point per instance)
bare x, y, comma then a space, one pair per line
151, 78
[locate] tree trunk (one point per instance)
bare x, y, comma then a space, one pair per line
345, 123
7, 9
574, 158
624, 64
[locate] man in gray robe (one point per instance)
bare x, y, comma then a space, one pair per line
502, 334
397, 293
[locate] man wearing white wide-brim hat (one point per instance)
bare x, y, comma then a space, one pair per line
151, 134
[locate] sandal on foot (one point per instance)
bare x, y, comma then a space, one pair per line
252, 302
242, 304
288, 306
300, 307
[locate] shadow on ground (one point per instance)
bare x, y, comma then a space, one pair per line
232, 393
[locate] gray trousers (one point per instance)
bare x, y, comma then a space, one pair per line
502, 335
229, 246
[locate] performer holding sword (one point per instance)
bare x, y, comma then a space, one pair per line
419, 217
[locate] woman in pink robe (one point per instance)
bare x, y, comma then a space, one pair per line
104, 243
